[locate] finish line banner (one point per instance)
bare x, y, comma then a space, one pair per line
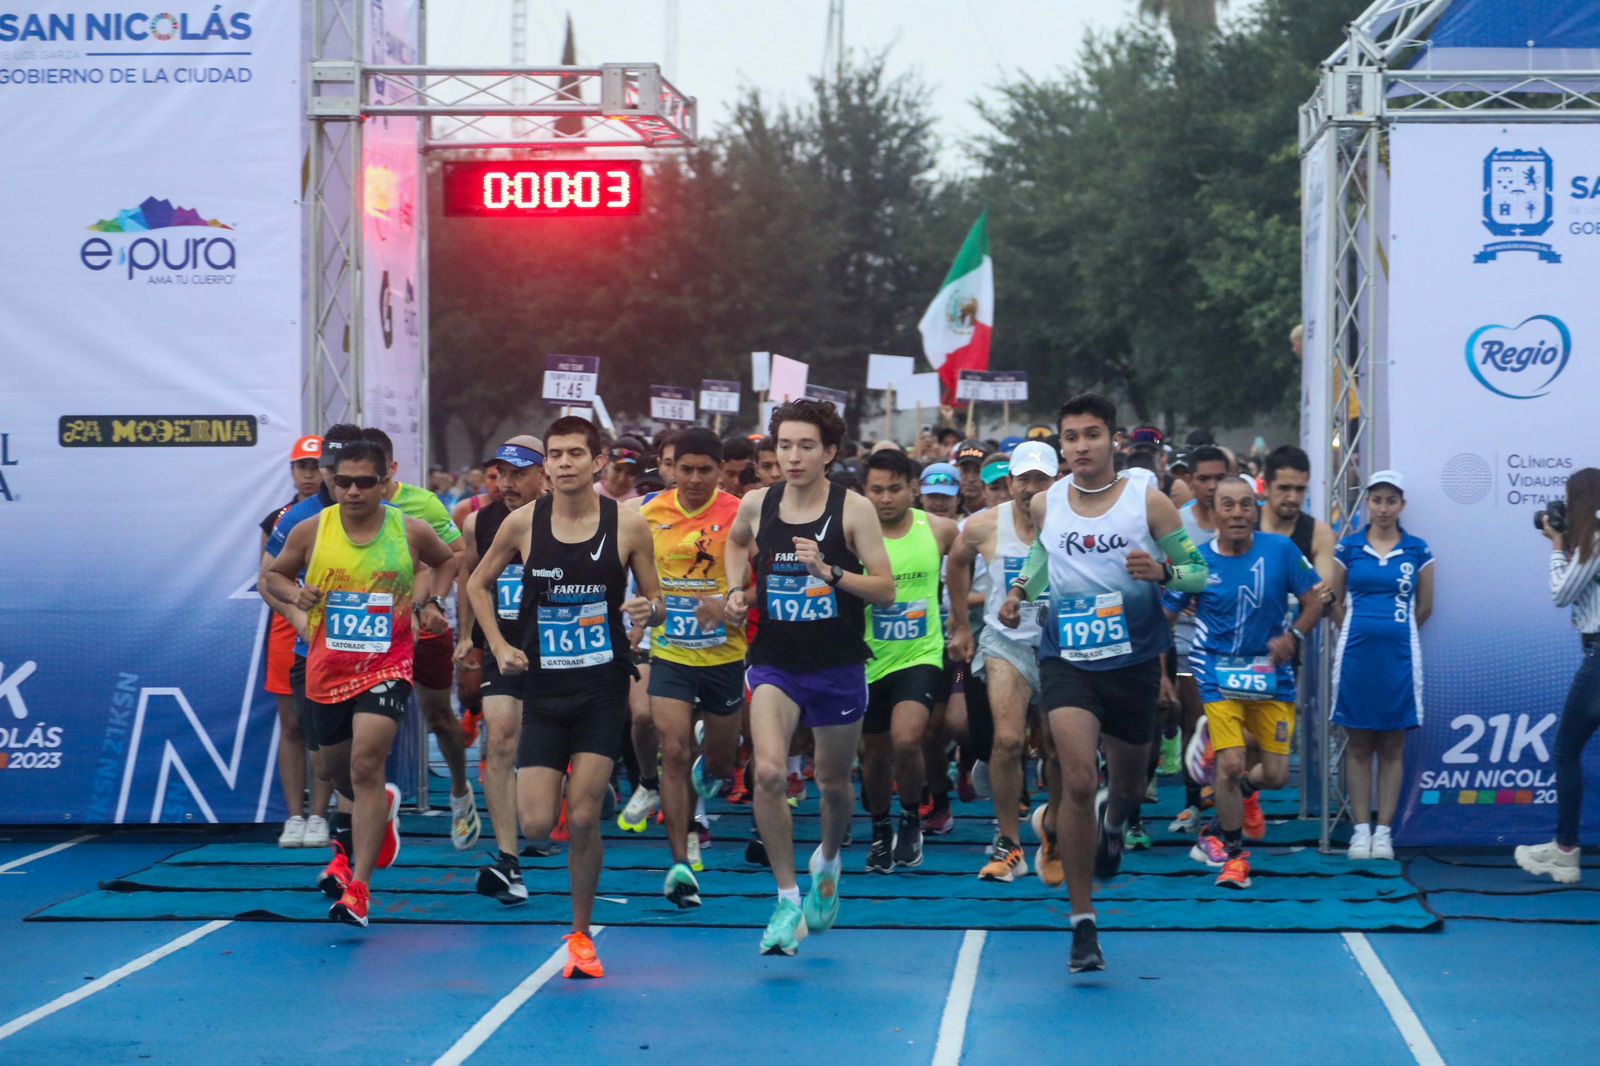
1495, 367
150, 295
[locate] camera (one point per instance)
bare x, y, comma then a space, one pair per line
1557, 513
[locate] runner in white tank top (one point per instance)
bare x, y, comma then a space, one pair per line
1209, 465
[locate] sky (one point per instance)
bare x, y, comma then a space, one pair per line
960, 48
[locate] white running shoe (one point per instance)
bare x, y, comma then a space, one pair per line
1543, 860
642, 807
294, 833
464, 823
1187, 821
1152, 791
1360, 847
692, 859
316, 832
1382, 843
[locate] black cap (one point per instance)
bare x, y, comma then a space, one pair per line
970, 451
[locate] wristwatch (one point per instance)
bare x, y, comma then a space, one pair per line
1168, 572
836, 574
437, 601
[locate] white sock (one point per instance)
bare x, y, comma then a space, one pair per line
1362, 830
790, 894
795, 762
1381, 831
1076, 918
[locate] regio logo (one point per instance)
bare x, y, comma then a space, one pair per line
1520, 362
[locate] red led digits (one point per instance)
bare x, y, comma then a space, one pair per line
543, 189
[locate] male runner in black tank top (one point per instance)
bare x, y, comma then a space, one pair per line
1287, 472
580, 549
810, 539
520, 463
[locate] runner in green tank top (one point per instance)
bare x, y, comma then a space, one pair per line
905, 676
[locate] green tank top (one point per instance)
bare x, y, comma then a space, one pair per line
910, 633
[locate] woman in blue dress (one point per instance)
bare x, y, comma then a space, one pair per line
1383, 593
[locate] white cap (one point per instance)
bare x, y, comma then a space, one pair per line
1035, 455
1387, 477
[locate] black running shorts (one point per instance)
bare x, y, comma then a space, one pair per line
1124, 700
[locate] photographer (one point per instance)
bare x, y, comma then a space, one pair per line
1573, 527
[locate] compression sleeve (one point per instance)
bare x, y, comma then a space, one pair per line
1189, 566
1035, 577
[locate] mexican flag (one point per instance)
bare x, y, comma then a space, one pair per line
957, 327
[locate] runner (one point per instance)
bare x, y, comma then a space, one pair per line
906, 674
520, 465
1242, 658
996, 469
299, 831
582, 548
626, 458
768, 470
697, 660
435, 652
820, 559
360, 559
666, 451
738, 456
968, 458
941, 490
477, 501
1101, 536
1005, 658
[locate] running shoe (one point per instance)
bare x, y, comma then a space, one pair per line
1548, 860
1200, 759
964, 787
1108, 848
797, 790
1134, 837
581, 959
1255, 823
294, 833
1171, 755
880, 853
353, 905
1152, 790
1235, 872
1085, 948
1005, 861
316, 832
940, 820
738, 795
502, 880
540, 849
705, 787
908, 842
336, 875
1382, 845
471, 723
1360, 843
464, 823
560, 834
821, 905
642, 806
1036, 822
755, 852
1209, 850
692, 851
981, 788
1187, 821
702, 832
681, 889
785, 930
1047, 863
389, 850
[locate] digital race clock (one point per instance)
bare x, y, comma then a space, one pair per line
572, 188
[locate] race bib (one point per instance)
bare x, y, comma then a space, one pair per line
1090, 628
800, 598
683, 628
358, 621
573, 637
1241, 678
508, 593
903, 621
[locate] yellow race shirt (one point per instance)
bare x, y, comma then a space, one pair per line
689, 557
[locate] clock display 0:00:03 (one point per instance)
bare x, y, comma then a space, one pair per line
543, 189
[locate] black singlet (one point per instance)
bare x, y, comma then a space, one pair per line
561, 579
1304, 533
792, 642
489, 520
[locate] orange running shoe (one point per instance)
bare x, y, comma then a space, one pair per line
389, 850
581, 959
559, 834
353, 905
336, 875
739, 794
471, 721
1236, 874
1047, 864
1255, 823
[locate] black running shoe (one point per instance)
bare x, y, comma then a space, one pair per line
908, 841
880, 854
756, 852
1085, 948
502, 880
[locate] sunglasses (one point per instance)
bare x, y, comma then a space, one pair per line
360, 481
939, 479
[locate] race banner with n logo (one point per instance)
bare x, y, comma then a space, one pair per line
1495, 367
150, 296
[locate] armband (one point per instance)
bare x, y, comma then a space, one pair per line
1189, 569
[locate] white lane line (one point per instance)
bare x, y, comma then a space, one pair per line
149, 958
63, 846
510, 1003
1405, 1019
953, 1026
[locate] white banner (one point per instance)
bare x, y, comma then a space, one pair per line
150, 303
1318, 384
1495, 368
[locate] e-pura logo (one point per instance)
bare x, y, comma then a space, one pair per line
1520, 362
138, 243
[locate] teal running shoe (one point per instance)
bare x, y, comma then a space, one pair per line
705, 787
681, 889
821, 906
785, 931
1135, 838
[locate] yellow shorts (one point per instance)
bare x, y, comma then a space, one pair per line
1269, 721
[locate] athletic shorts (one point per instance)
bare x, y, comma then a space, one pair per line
836, 695
1271, 722
1124, 699
495, 683
433, 661
335, 721
914, 684
302, 705
1024, 657
640, 656
717, 690
558, 725
280, 656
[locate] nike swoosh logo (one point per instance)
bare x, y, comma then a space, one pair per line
597, 551
823, 532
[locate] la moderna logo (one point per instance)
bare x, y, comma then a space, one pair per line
1520, 362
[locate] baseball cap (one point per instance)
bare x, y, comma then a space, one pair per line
335, 440
1392, 478
1009, 444
306, 448
1180, 459
628, 450
1146, 435
969, 451
941, 479
1039, 431
520, 451
996, 471
1035, 456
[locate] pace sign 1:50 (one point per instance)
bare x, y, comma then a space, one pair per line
573, 188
